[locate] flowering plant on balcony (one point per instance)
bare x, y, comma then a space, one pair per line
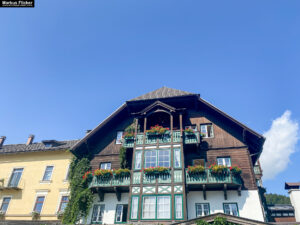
235, 170
129, 132
60, 214
157, 170
196, 170
87, 175
157, 130
2, 215
121, 173
35, 215
218, 169
103, 173
189, 131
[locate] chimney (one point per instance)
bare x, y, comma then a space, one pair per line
2, 139
30, 139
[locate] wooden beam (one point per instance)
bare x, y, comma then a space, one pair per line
118, 193
225, 191
239, 190
204, 191
100, 194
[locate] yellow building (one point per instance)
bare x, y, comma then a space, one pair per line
33, 178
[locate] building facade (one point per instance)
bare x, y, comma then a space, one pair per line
182, 153
294, 192
33, 179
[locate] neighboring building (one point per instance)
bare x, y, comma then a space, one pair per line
33, 177
294, 192
282, 213
213, 138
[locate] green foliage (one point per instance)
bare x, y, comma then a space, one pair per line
217, 221
277, 199
123, 158
81, 197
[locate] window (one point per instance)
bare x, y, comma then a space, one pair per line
48, 145
202, 209
134, 207
207, 130
15, 177
164, 158
156, 207
48, 173
177, 157
121, 214
178, 207
154, 158
105, 166
225, 161
231, 209
63, 203
119, 137
97, 215
291, 214
163, 207
138, 160
39, 204
5, 203
149, 207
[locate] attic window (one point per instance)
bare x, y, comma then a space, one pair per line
48, 145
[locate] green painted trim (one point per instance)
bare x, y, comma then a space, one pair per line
203, 208
116, 214
175, 207
141, 213
237, 206
132, 196
135, 159
180, 160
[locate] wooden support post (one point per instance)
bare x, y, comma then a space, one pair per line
239, 190
225, 191
100, 194
204, 191
118, 193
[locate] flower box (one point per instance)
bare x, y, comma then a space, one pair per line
157, 130
196, 170
218, 170
103, 173
156, 170
235, 170
121, 173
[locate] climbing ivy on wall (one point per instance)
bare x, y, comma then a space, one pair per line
123, 158
81, 197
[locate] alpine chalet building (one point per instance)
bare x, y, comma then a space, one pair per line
186, 159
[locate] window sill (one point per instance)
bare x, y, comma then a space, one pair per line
45, 181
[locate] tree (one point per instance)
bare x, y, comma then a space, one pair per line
277, 199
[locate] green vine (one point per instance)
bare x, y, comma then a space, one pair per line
123, 158
81, 197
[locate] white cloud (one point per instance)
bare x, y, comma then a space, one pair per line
281, 140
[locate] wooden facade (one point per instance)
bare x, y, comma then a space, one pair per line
230, 139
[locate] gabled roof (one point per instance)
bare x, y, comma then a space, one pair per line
163, 92
295, 185
36, 147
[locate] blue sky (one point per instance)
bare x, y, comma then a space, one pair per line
66, 65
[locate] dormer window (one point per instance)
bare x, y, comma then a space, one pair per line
51, 143
48, 145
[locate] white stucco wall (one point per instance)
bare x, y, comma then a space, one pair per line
110, 202
295, 200
249, 204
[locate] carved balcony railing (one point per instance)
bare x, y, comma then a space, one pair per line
208, 178
191, 138
110, 182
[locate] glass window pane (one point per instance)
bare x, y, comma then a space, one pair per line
206, 209
178, 206
209, 130
220, 161
163, 207
5, 203
64, 203
105, 166
119, 137
39, 204
48, 173
150, 159
149, 207
119, 213
203, 130
227, 162
164, 158
134, 207
198, 210
138, 159
15, 177
177, 162
226, 209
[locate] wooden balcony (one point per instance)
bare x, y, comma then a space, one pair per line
213, 181
160, 179
109, 182
192, 138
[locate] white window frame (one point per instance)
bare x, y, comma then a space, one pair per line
61, 194
119, 137
223, 158
230, 204
157, 156
67, 174
34, 204
9, 179
140, 160
6, 196
98, 213
137, 206
106, 163
206, 133
202, 209
50, 180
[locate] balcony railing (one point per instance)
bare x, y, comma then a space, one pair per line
208, 178
162, 139
6, 184
110, 182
